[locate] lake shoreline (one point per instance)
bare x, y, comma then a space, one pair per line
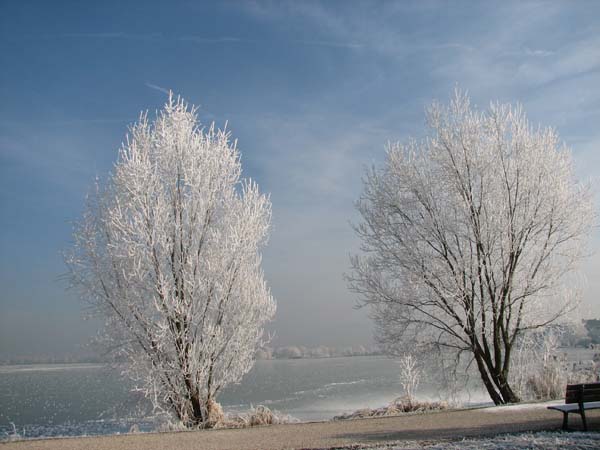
44, 401
417, 427
91, 400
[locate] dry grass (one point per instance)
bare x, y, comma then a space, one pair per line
399, 406
550, 381
261, 415
258, 416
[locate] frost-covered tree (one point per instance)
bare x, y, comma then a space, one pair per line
469, 237
168, 252
410, 375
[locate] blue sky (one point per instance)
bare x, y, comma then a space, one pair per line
312, 90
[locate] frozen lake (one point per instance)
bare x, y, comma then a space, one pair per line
77, 399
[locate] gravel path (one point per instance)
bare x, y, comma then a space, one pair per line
425, 428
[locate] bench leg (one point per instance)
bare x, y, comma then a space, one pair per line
565, 425
584, 421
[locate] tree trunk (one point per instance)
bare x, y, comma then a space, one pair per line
487, 382
495, 381
198, 417
506, 391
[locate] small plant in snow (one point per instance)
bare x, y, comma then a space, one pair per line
410, 376
14, 434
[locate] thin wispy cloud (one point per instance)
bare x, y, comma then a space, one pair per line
157, 88
351, 45
212, 40
101, 35
231, 39
194, 39
112, 35
537, 52
67, 122
156, 36
448, 45
152, 36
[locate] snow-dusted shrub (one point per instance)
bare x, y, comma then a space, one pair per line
256, 416
399, 406
551, 377
260, 415
410, 375
216, 415
171, 425
540, 369
13, 435
548, 384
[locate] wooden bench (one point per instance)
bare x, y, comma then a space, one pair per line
578, 398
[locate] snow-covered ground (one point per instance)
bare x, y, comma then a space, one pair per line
542, 440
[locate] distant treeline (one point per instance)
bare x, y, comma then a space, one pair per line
322, 351
589, 335
52, 359
579, 336
288, 352
593, 331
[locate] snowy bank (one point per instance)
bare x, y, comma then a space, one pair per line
541, 440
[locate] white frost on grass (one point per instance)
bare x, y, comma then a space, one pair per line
540, 440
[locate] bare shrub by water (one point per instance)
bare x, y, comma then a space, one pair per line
399, 406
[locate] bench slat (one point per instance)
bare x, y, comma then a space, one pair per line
590, 389
588, 392
571, 408
565, 408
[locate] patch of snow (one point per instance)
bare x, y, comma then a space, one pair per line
541, 440
522, 406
